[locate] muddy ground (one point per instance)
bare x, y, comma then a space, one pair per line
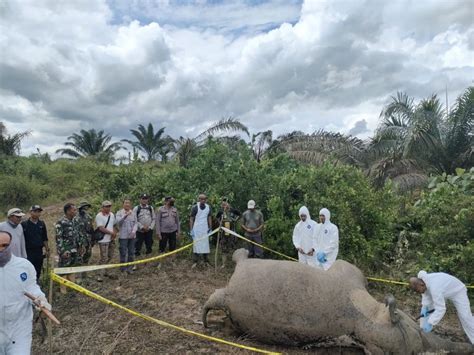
172, 292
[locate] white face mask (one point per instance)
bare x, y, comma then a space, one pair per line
5, 255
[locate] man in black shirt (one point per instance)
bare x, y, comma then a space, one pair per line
36, 238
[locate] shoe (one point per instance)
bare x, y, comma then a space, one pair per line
134, 268
100, 279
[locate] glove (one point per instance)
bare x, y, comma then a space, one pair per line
321, 256
209, 230
424, 311
43, 302
191, 234
427, 327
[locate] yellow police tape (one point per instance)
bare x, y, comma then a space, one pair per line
260, 245
91, 294
77, 269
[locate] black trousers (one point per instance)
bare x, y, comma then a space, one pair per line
146, 237
35, 256
168, 238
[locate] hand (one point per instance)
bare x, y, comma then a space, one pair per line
427, 327
209, 230
158, 236
191, 234
43, 302
321, 256
128, 213
311, 253
300, 250
424, 311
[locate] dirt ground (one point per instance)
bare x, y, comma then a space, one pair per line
172, 292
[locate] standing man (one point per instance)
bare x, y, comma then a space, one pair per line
227, 216
167, 224
17, 276
84, 224
145, 225
127, 223
304, 237
67, 240
36, 239
435, 288
13, 226
252, 224
200, 222
105, 221
327, 241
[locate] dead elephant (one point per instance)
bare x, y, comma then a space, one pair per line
284, 302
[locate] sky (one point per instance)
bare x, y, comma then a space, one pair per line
282, 65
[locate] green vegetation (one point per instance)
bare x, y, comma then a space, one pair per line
384, 227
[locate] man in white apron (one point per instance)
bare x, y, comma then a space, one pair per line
200, 223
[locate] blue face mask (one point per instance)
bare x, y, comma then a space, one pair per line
5, 255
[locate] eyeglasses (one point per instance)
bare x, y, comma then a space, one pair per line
4, 245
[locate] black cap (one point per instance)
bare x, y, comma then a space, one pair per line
167, 198
36, 208
145, 196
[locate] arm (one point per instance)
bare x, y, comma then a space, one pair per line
121, 216
152, 212
139, 225
158, 222
45, 238
439, 306
333, 244
296, 239
22, 243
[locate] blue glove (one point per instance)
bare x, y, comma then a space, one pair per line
209, 230
427, 327
321, 256
424, 311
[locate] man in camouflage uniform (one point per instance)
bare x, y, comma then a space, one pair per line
67, 238
227, 217
83, 221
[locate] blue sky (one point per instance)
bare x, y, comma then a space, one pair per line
279, 65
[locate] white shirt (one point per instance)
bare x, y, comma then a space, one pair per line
101, 221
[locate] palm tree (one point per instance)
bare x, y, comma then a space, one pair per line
90, 144
152, 143
459, 133
10, 144
260, 143
185, 148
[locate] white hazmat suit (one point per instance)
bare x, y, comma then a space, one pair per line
327, 241
17, 276
439, 288
304, 237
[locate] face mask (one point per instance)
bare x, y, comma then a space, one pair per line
5, 255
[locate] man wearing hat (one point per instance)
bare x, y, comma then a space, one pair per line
145, 225
36, 239
85, 228
13, 226
252, 224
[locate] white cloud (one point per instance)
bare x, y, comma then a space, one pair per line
275, 65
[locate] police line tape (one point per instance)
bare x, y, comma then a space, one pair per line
76, 269
93, 295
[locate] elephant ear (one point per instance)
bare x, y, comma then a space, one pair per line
391, 303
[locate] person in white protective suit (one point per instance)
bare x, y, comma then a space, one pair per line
327, 241
435, 289
304, 237
17, 276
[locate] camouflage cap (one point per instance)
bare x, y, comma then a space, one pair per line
83, 204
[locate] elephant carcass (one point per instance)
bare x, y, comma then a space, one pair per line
284, 302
